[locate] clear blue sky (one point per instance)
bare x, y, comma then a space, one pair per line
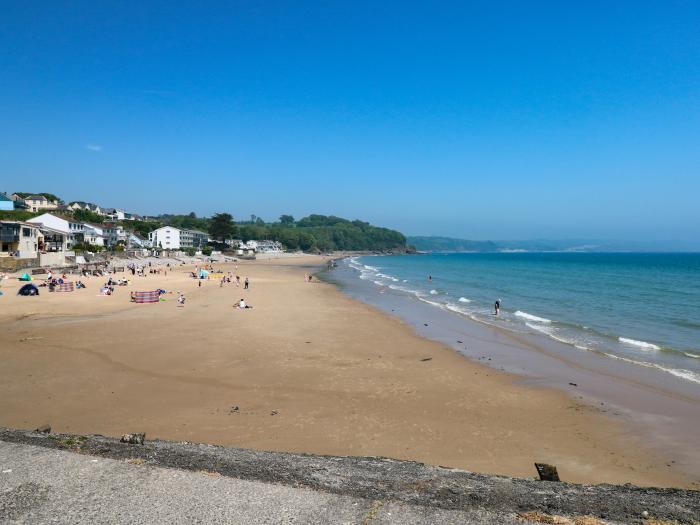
482, 120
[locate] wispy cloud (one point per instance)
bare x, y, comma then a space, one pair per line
94, 147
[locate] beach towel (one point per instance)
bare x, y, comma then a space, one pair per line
216, 275
25, 277
146, 297
64, 287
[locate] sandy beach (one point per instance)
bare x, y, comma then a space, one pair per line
308, 369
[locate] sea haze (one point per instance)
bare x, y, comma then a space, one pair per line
641, 308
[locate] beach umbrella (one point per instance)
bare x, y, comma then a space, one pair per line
25, 277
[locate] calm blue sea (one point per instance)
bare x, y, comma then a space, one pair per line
641, 308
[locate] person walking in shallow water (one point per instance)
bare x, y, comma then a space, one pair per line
497, 307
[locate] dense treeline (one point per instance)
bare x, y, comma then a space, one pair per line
326, 233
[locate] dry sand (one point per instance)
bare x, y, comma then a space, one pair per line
309, 370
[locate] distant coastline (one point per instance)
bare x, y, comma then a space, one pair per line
440, 244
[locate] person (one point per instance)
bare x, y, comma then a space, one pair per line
242, 304
246, 285
238, 280
497, 307
181, 300
430, 278
199, 283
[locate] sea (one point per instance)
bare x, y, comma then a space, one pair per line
639, 308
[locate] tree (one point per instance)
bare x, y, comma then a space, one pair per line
287, 220
87, 216
222, 226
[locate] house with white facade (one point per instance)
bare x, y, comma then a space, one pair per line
135, 240
115, 214
87, 206
71, 229
94, 234
20, 239
171, 238
167, 237
37, 203
114, 234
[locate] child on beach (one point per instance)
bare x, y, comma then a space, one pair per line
242, 304
246, 285
181, 300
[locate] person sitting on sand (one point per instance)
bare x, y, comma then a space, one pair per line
181, 300
242, 304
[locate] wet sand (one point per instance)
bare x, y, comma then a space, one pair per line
308, 369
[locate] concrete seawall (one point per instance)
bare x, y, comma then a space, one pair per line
409, 492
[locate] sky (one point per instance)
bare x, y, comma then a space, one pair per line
479, 120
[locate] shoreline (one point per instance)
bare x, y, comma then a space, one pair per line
664, 411
309, 369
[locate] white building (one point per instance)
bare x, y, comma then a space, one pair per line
166, 237
87, 206
37, 202
115, 214
94, 234
72, 230
264, 246
268, 246
19, 239
171, 238
134, 240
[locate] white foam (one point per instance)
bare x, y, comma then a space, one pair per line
457, 309
464, 300
531, 317
639, 344
542, 329
678, 372
690, 354
433, 292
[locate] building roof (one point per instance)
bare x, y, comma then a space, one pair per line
37, 198
23, 223
4, 197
